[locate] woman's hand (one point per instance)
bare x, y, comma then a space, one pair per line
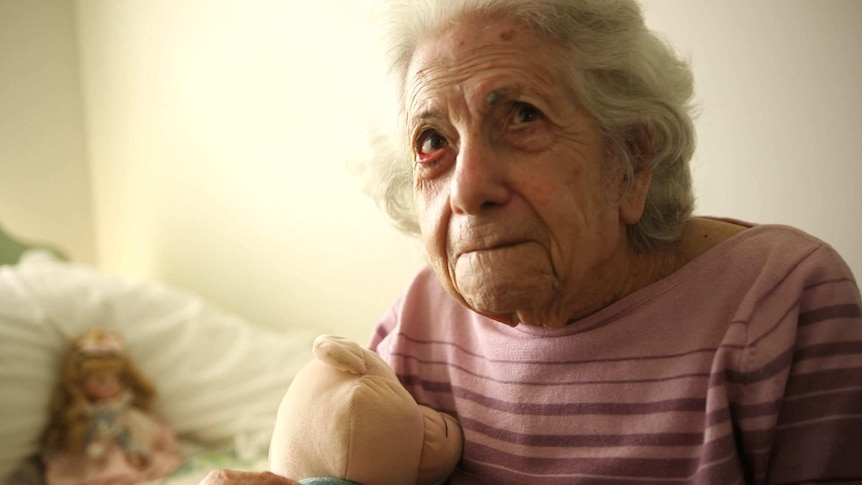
229, 477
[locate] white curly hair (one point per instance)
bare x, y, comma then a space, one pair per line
632, 82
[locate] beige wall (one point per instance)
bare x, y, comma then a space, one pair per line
44, 182
218, 134
778, 89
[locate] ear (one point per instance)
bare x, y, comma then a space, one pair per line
632, 205
641, 149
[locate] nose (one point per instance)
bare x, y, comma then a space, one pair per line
479, 182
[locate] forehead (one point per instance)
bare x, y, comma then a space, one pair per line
482, 58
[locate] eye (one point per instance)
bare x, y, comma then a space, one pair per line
525, 113
429, 143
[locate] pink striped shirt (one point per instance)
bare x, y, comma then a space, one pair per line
744, 366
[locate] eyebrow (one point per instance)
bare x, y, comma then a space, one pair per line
492, 99
495, 96
425, 115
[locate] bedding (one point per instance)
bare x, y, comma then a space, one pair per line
198, 462
220, 378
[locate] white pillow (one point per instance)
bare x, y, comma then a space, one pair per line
220, 379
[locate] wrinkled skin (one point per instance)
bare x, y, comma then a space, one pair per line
521, 217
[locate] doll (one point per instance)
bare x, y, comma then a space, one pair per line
345, 419
100, 430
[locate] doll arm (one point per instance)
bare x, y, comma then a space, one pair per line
442, 448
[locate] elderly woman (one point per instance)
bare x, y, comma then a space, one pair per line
579, 322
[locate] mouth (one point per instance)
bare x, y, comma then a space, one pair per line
492, 247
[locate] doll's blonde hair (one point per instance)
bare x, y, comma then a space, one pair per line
95, 351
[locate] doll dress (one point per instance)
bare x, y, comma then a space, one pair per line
124, 445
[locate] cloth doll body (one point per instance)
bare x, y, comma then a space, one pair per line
347, 419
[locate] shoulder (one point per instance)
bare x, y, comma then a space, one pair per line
794, 290
793, 254
770, 252
704, 235
760, 278
785, 267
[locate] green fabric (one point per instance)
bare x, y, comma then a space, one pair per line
12, 248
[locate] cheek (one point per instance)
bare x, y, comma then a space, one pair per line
431, 201
569, 181
551, 191
543, 193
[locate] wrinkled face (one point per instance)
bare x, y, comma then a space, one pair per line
511, 187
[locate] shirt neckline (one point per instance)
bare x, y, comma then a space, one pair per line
639, 297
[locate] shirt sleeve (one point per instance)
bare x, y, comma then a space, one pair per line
385, 327
818, 433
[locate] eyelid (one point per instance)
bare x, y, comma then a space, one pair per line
420, 134
519, 105
436, 155
442, 128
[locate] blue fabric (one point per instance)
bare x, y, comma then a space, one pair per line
326, 481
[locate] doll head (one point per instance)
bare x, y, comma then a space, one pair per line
96, 369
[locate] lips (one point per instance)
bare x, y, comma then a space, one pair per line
485, 246
472, 235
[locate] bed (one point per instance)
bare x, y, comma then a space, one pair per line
220, 378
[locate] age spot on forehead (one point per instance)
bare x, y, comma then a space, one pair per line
508, 35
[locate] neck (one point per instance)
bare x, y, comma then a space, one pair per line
635, 270
625, 272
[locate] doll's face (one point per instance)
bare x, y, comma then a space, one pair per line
101, 385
